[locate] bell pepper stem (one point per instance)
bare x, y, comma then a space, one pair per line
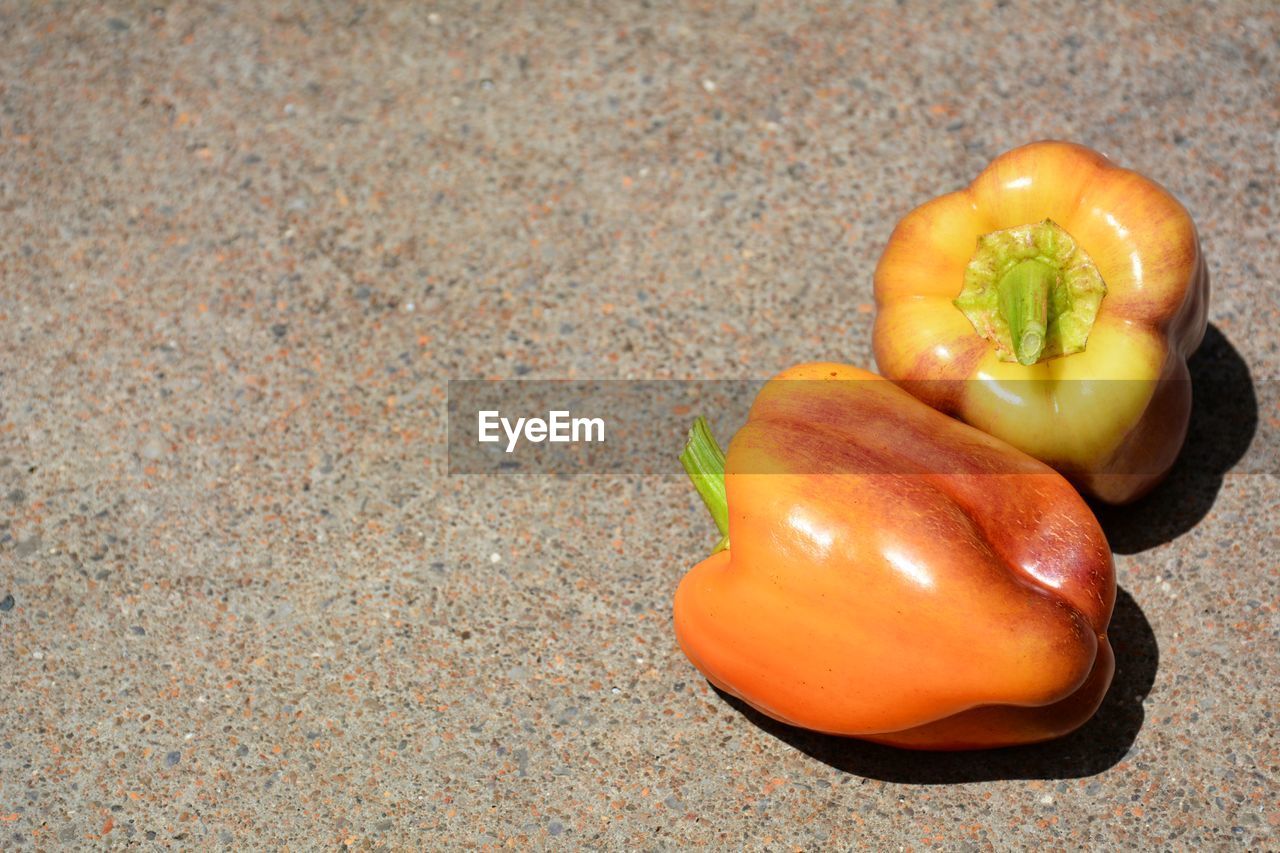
703, 461
1032, 291
1024, 302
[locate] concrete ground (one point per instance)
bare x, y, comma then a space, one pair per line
243, 604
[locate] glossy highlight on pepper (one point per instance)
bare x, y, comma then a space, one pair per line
1108, 400
895, 575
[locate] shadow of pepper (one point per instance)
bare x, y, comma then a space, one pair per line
1094, 747
1224, 418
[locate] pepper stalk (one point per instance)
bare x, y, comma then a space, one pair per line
1023, 294
1032, 291
703, 461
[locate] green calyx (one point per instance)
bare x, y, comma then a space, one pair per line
1032, 291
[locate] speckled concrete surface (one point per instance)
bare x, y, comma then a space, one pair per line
242, 603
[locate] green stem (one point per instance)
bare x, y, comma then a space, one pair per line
703, 461
1024, 302
1032, 292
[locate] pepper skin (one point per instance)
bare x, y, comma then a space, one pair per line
1114, 439
895, 575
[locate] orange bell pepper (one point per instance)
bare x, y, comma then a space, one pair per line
893, 574
1058, 298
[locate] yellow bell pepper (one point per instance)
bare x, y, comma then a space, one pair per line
1052, 303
